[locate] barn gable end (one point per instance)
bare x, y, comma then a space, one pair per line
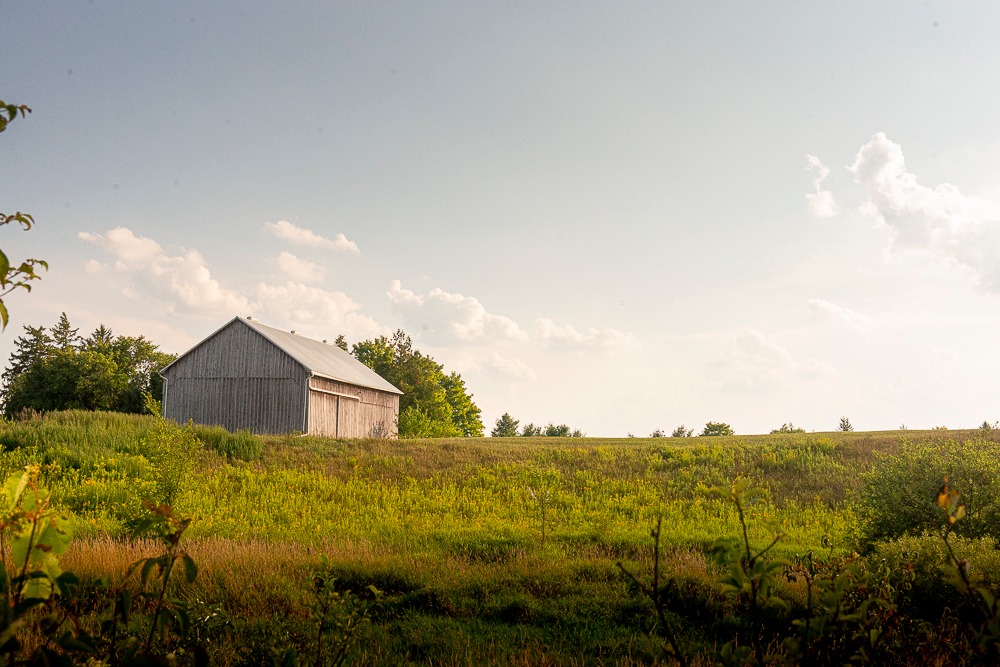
250, 376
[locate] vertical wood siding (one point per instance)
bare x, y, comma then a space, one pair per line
359, 413
240, 380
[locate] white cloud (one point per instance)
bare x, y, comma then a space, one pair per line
568, 337
754, 363
313, 310
821, 202
124, 245
454, 316
512, 368
940, 220
300, 270
302, 236
182, 284
841, 314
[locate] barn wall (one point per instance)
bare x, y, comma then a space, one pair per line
240, 380
357, 413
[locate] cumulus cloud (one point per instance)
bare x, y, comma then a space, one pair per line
840, 314
568, 337
181, 283
302, 236
299, 269
821, 202
451, 315
754, 363
940, 220
310, 308
512, 368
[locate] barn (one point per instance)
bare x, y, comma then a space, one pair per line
250, 376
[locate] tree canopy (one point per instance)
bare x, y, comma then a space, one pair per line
505, 427
434, 404
717, 428
57, 369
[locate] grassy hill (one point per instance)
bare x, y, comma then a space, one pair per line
499, 551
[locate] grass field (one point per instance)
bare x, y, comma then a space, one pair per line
489, 551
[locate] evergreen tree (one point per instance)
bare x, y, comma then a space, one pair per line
505, 427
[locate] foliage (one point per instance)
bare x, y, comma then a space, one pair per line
14, 276
716, 428
332, 609
433, 404
897, 496
682, 432
788, 428
845, 425
59, 370
505, 427
529, 430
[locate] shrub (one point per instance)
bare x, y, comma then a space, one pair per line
897, 496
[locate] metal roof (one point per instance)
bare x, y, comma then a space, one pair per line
315, 356
322, 358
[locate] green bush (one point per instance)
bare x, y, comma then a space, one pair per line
898, 495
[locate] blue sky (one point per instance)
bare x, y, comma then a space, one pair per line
621, 216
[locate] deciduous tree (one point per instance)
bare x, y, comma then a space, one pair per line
433, 404
717, 428
59, 370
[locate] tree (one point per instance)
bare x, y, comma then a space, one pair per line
788, 428
845, 424
717, 428
433, 404
658, 433
554, 431
531, 431
341, 342
59, 370
682, 432
465, 414
15, 276
505, 427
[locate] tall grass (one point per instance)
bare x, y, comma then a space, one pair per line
448, 528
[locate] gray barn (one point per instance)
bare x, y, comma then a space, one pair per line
250, 376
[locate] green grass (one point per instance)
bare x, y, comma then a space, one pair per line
449, 528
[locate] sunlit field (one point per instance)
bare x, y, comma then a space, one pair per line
498, 551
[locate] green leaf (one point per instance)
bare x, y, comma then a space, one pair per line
15, 485
147, 568
190, 568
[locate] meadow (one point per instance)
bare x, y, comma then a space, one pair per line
505, 551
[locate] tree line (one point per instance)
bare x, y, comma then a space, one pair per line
507, 427
55, 368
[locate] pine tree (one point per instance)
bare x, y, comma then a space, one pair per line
506, 427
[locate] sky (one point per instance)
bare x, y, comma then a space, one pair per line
619, 216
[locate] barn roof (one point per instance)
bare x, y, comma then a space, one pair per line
318, 358
323, 358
